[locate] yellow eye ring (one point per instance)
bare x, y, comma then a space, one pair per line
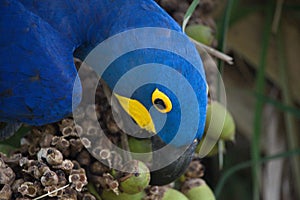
161, 101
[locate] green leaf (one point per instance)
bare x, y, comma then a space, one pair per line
6, 149
189, 13
260, 87
227, 174
91, 188
14, 141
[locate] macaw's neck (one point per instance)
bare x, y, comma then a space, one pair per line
87, 23
107, 18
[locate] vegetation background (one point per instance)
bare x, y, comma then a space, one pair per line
263, 95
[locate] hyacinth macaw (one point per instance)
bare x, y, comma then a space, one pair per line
38, 40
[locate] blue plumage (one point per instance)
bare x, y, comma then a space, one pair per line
36, 68
37, 42
159, 75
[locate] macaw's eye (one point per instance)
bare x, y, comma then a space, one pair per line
161, 101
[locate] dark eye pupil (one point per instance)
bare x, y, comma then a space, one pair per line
160, 104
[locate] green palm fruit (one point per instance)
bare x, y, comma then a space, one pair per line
172, 194
200, 33
140, 147
214, 151
110, 195
135, 177
227, 124
197, 189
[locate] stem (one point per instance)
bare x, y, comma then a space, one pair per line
227, 174
52, 192
260, 86
222, 44
292, 132
189, 13
280, 106
277, 16
212, 51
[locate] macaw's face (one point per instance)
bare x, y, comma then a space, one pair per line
162, 92
165, 94
157, 78
169, 100
154, 108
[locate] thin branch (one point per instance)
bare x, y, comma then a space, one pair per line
277, 16
212, 51
58, 189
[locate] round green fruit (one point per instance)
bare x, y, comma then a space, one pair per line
110, 195
200, 33
197, 189
135, 177
218, 118
172, 194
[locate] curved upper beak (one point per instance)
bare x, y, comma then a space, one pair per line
138, 112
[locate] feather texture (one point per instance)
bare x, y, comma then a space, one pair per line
38, 41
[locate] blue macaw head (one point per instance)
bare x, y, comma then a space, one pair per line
162, 97
158, 78
171, 103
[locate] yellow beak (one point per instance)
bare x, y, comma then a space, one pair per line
138, 112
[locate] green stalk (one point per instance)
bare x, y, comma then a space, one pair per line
260, 87
280, 106
222, 37
222, 40
291, 7
292, 132
227, 174
189, 13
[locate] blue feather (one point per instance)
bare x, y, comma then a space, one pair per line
37, 43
